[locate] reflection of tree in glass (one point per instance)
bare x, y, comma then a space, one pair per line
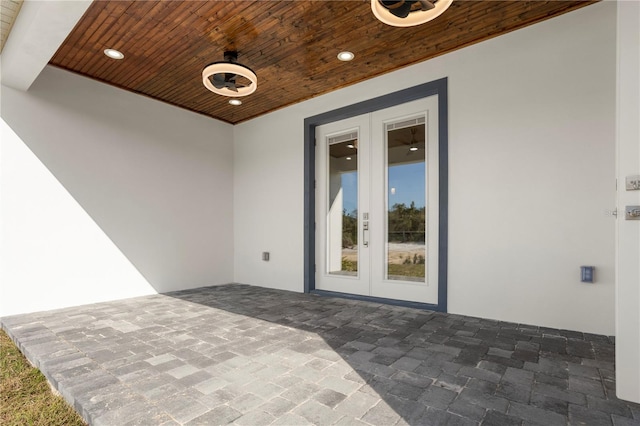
349, 229
406, 224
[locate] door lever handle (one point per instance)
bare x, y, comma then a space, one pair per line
365, 234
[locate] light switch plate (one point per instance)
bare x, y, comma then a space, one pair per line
632, 183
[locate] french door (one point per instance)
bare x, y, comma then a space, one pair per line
377, 203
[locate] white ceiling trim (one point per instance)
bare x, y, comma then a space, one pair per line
37, 33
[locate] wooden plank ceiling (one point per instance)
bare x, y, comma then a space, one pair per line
290, 45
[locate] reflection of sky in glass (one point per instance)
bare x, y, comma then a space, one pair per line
407, 182
407, 179
350, 191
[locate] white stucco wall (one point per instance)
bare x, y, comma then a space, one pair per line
115, 195
531, 174
628, 232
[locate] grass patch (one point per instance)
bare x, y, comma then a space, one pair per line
407, 270
398, 270
25, 395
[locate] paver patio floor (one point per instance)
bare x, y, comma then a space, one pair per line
254, 356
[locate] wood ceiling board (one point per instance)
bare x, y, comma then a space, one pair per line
290, 45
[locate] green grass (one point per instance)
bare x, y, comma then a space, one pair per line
25, 395
403, 270
409, 270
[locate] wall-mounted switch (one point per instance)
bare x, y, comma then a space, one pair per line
265, 256
587, 274
632, 183
632, 212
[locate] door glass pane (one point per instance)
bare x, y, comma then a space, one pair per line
406, 194
342, 217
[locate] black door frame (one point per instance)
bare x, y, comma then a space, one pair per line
437, 87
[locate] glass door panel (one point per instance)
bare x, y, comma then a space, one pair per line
342, 214
342, 198
406, 195
404, 182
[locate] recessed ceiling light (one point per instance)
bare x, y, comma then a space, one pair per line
235, 102
348, 158
113, 53
346, 56
413, 148
350, 146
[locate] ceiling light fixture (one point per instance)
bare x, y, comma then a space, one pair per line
408, 13
413, 148
113, 53
346, 56
220, 77
235, 102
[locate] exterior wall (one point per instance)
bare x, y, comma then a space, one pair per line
531, 174
107, 194
628, 232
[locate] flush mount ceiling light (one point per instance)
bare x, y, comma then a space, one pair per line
408, 13
222, 77
113, 53
346, 56
413, 144
235, 102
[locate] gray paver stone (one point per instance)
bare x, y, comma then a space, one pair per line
586, 386
437, 397
381, 414
218, 416
579, 415
317, 413
329, 397
624, 421
254, 418
357, 404
564, 395
277, 406
536, 415
467, 409
484, 400
496, 418
480, 373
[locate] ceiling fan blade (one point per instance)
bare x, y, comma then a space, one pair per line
218, 81
427, 5
232, 87
399, 8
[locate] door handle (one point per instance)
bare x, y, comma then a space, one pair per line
365, 234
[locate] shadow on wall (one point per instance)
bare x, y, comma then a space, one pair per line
427, 367
157, 180
50, 246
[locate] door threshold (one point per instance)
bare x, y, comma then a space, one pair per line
385, 301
